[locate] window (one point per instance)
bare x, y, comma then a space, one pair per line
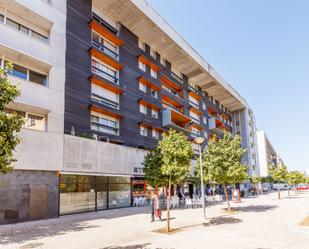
19, 71
193, 101
162, 61
37, 78
104, 45
142, 66
204, 120
154, 93
143, 131
104, 96
153, 53
104, 123
104, 71
142, 87
154, 113
143, 108
32, 121
204, 106
155, 133
153, 73
141, 45
195, 117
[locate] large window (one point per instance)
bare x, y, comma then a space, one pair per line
104, 123
104, 45
143, 108
142, 87
143, 131
153, 73
119, 192
25, 30
154, 113
104, 96
77, 193
101, 69
28, 74
32, 121
142, 66
155, 134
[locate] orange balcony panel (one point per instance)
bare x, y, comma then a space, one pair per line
195, 95
105, 58
212, 111
105, 85
196, 126
170, 83
170, 101
179, 118
219, 122
149, 63
105, 33
196, 111
148, 83
225, 116
105, 112
148, 104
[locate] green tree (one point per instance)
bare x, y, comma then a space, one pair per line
279, 174
255, 181
177, 153
294, 178
10, 125
222, 162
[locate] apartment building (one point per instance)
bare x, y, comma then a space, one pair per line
32, 37
99, 87
245, 126
268, 157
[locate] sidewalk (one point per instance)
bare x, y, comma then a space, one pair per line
263, 218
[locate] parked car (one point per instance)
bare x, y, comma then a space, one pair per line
303, 186
281, 186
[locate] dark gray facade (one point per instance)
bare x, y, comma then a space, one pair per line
28, 195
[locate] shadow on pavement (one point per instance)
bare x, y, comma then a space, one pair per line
141, 246
253, 208
222, 221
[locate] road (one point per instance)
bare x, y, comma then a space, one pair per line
262, 222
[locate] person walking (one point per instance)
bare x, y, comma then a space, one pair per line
155, 207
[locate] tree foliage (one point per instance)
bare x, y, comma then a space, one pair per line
177, 152
294, 178
10, 125
222, 162
279, 175
153, 169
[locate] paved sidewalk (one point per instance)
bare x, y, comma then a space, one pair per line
259, 223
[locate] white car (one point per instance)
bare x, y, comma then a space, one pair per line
281, 186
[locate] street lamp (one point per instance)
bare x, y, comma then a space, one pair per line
199, 141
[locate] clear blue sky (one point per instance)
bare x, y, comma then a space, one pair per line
261, 48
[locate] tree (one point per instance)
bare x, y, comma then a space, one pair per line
279, 174
10, 125
222, 162
177, 153
294, 178
255, 181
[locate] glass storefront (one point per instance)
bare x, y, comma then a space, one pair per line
79, 193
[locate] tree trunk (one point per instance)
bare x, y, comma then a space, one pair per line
279, 192
168, 204
163, 201
227, 198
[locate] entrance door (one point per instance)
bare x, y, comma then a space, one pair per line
38, 202
191, 190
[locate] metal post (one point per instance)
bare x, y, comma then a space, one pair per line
202, 182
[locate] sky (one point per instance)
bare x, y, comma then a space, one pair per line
261, 48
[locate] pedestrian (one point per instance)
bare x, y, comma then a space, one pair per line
155, 207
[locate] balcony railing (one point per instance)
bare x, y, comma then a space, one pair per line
176, 77
105, 50
172, 91
104, 101
105, 75
213, 125
195, 120
194, 104
192, 88
104, 23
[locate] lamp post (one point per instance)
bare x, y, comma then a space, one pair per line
199, 141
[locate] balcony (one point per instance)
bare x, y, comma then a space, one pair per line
176, 77
216, 125
105, 50
176, 120
97, 71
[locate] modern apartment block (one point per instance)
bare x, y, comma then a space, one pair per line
32, 36
244, 125
100, 82
268, 157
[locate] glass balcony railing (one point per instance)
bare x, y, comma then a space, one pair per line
176, 77
105, 50
105, 75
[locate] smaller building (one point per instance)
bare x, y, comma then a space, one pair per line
268, 157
